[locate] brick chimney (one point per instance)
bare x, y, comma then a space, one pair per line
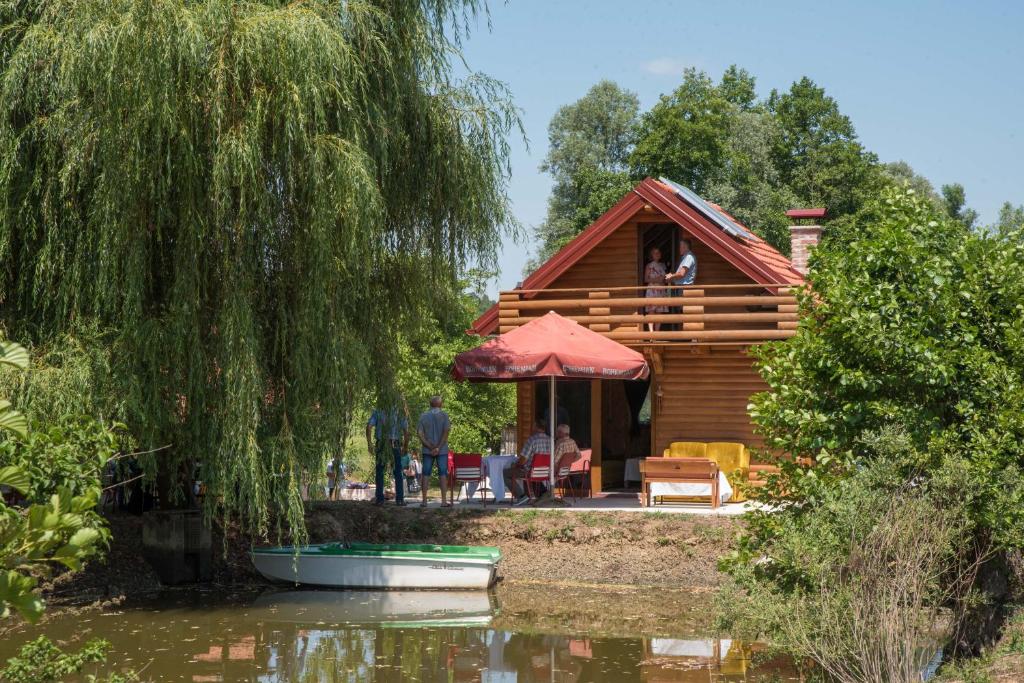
804, 234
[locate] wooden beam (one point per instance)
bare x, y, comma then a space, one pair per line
783, 287
596, 420
690, 295
622, 334
638, 301
664, 318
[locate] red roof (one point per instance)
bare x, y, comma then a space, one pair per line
757, 259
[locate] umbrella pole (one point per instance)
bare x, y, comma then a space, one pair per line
551, 432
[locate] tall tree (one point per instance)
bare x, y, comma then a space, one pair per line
818, 154
589, 145
954, 201
739, 87
685, 135
749, 185
1010, 217
754, 157
250, 201
596, 131
903, 173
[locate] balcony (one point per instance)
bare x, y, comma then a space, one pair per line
698, 314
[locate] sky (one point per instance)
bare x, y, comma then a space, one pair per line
937, 84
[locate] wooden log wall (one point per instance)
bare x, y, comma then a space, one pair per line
704, 396
611, 263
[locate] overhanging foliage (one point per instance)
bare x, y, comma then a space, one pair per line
250, 200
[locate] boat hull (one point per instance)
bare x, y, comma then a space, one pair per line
382, 571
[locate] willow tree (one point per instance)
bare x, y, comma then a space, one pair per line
246, 202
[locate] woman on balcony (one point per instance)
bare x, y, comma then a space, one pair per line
654, 274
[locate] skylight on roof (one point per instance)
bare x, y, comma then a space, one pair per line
724, 223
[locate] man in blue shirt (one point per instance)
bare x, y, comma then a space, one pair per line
686, 272
433, 429
387, 437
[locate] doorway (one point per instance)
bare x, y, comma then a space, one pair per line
572, 403
663, 236
625, 428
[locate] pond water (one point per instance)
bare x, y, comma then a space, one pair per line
509, 636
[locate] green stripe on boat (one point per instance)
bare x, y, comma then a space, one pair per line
412, 550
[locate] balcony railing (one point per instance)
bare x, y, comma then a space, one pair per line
696, 313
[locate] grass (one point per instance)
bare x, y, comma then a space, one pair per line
594, 519
564, 533
710, 534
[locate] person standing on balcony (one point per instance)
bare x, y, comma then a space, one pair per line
654, 274
686, 272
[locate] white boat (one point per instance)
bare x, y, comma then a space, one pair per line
383, 567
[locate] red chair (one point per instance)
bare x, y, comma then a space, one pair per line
464, 468
580, 470
539, 472
563, 480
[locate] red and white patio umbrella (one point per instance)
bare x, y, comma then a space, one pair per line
550, 346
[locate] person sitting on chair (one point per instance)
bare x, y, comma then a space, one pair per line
566, 450
538, 442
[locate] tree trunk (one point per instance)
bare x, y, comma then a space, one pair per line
982, 623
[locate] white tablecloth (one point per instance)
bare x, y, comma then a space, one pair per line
632, 471
658, 488
494, 479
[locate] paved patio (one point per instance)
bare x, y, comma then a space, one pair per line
618, 502
599, 503
602, 502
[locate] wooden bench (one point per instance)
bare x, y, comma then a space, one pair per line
678, 471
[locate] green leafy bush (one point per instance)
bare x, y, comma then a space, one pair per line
58, 473
881, 563
478, 410
70, 454
895, 416
916, 321
40, 661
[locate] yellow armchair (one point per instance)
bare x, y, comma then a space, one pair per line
734, 460
686, 449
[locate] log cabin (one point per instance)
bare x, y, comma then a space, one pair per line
702, 377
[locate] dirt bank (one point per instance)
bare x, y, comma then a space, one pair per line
539, 546
552, 545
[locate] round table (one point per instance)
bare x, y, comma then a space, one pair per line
494, 475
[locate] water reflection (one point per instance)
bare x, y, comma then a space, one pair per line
326, 636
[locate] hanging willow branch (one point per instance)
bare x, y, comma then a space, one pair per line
250, 200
